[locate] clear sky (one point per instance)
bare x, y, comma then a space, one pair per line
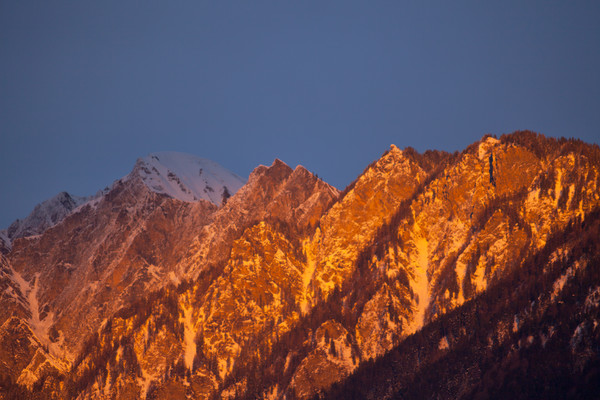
87, 87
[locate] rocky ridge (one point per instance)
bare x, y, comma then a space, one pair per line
290, 286
45, 215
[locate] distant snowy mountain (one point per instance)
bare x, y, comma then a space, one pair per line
187, 177
178, 175
45, 215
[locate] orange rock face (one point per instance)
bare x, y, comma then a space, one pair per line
289, 286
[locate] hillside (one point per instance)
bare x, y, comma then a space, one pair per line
434, 275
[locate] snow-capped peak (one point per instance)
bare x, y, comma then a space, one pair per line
187, 177
45, 215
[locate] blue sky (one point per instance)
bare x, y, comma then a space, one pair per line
88, 87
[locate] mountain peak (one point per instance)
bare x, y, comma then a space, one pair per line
186, 177
278, 171
300, 169
45, 215
280, 164
395, 149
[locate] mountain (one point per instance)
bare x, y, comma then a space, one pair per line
101, 255
186, 177
178, 175
45, 215
465, 275
532, 335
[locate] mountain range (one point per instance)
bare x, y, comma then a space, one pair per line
467, 275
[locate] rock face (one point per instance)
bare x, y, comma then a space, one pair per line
106, 253
45, 215
287, 287
276, 194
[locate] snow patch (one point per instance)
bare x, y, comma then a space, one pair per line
420, 285
480, 280
24, 286
155, 275
443, 345
173, 278
272, 393
145, 381
19, 284
189, 335
558, 187
309, 271
39, 326
288, 360
559, 284
187, 177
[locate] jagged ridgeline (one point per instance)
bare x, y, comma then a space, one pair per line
434, 275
